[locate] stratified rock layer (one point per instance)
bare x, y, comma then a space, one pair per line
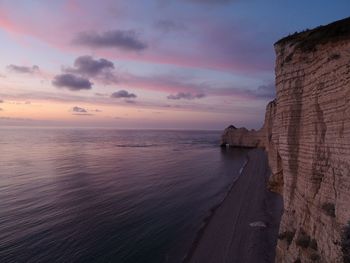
307, 137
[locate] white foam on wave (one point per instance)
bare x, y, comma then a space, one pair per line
258, 224
243, 166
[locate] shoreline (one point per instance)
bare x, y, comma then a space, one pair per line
239, 229
212, 211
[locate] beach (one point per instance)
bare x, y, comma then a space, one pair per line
244, 228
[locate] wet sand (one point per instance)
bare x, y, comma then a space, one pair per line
244, 228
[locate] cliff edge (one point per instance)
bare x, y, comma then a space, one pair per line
307, 136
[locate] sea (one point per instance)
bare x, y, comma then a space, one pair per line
106, 195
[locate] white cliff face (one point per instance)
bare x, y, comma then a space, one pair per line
242, 137
311, 134
307, 137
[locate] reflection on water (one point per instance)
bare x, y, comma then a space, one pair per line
108, 196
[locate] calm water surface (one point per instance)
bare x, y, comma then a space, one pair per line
87, 195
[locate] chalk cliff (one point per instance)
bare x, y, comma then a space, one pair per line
307, 137
233, 136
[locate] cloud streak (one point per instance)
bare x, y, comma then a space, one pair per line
187, 88
23, 69
186, 96
83, 114
71, 82
123, 94
78, 109
15, 119
126, 40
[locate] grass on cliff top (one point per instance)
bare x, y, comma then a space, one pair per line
308, 40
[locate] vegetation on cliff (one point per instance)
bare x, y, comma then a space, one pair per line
309, 39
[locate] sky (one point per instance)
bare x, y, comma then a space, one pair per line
146, 64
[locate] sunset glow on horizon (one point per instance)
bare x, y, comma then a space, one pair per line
186, 64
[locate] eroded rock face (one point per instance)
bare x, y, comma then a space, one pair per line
242, 137
311, 135
307, 137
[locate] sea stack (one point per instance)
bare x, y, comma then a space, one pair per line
307, 137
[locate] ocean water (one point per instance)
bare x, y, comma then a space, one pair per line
99, 195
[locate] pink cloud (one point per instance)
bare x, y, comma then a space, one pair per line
176, 84
160, 83
90, 68
210, 46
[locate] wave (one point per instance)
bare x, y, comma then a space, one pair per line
136, 145
243, 166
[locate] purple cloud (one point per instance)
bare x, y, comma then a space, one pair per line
186, 87
1, 101
88, 66
101, 94
123, 94
266, 91
78, 109
126, 40
83, 111
72, 82
186, 96
23, 69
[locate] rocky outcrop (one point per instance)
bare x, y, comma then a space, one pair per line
307, 137
242, 137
